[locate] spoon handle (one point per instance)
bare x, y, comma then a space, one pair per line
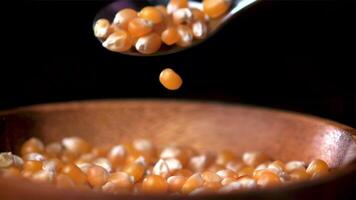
238, 5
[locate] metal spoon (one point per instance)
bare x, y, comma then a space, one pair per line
215, 25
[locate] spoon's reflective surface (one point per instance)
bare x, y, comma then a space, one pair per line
109, 11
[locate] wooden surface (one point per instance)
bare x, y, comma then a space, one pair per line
206, 126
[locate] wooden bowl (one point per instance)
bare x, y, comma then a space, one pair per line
206, 126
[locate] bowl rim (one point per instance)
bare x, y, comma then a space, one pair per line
55, 106
87, 103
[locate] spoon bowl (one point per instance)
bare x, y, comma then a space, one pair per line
109, 11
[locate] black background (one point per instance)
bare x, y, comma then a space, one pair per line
294, 55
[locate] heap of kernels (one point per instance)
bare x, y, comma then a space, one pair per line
142, 168
146, 30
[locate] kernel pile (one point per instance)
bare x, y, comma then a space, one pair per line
140, 167
146, 30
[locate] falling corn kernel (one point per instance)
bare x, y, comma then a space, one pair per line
170, 79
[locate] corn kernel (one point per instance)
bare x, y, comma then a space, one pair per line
198, 15
119, 41
54, 149
139, 27
192, 183
174, 151
10, 172
170, 79
53, 165
225, 157
183, 16
212, 186
254, 158
227, 181
246, 171
34, 156
43, 176
161, 169
268, 179
63, 181
7, 159
186, 36
235, 165
317, 168
170, 36
175, 183
154, 184
216, 8
97, 176
32, 166
200, 30
76, 145
33, 145
180, 3
75, 174
117, 155
242, 183
100, 151
136, 170
102, 28
299, 175
123, 17
149, 44
294, 165
184, 172
226, 173
152, 14
174, 5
